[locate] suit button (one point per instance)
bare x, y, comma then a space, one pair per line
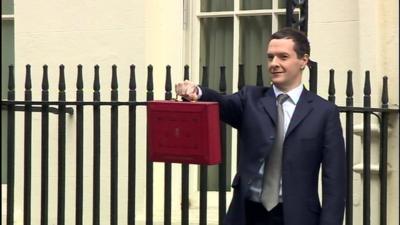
250, 181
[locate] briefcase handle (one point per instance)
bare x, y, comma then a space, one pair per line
176, 99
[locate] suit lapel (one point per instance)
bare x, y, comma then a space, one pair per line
269, 104
303, 108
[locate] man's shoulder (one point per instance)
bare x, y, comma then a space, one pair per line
322, 103
254, 91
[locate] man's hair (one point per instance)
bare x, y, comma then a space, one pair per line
301, 43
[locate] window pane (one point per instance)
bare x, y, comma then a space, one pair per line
216, 5
216, 49
281, 21
7, 7
255, 4
282, 4
254, 34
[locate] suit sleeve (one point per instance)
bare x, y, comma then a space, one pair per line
333, 172
231, 106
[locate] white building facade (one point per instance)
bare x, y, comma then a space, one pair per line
355, 35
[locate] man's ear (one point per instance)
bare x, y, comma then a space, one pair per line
305, 60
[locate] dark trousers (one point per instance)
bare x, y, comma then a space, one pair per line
256, 214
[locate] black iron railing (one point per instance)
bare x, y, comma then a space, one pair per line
61, 107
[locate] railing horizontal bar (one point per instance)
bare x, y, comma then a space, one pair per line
112, 103
6, 102
54, 110
363, 110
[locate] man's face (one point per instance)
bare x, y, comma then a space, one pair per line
284, 65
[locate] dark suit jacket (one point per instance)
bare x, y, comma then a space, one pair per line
314, 137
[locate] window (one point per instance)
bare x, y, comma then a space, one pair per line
230, 33
7, 53
234, 32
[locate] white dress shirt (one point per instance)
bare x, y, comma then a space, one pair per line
289, 105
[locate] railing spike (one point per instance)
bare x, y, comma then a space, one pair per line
96, 82
222, 81
241, 81
331, 89
349, 87
367, 83
79, 80
168, 82
11, 82
132, 80
61, 82
260, 81
150, 84
186, 73
28, 80
45, 79
205, 81
367, 89
385, 93
114, 79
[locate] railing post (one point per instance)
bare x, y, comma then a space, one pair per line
167, 166
79, 149
28, 147
10, 147
185, 176
149, 164
114, 148
61, 149
383, 153
96, 147
132, 148
45, 150
349, 149
367, 152
222, 166
204, 169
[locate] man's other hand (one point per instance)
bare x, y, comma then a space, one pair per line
188, 90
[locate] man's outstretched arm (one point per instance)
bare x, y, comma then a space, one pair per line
231, 106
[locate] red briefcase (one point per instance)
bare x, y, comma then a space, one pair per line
183, 132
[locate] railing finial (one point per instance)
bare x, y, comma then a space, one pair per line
222, 81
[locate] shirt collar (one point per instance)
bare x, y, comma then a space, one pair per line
294, 94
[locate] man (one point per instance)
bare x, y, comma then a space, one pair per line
286, 134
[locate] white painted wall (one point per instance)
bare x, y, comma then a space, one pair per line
361, 35
88, 33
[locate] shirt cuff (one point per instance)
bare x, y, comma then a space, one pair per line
199, 92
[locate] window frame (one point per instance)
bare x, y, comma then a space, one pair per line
192, 26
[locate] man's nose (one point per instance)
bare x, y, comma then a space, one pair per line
273, 62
